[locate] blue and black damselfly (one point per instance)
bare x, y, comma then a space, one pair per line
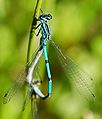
72, 70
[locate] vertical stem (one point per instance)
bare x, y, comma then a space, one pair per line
34, 23
31, 47
34, 108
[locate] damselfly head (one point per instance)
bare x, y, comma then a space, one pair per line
45, 17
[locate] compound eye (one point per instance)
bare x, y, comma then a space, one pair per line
49, 16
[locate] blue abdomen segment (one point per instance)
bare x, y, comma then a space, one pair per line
50, 87
46, 61
48, 69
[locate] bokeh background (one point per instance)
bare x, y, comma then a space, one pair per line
77, 28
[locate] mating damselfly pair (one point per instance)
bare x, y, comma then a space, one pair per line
73, 72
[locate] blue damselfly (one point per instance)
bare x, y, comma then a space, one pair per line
72, 70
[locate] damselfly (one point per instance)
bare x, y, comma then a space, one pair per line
25, 78
72, 70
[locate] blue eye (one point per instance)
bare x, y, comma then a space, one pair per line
48, 17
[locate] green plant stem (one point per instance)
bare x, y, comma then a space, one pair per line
32, 35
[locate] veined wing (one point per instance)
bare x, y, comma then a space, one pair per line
75, 74
18, 83
20, 80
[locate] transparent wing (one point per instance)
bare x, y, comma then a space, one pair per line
10, 93
77, 76
19, 82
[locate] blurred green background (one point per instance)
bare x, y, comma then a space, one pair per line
77, 28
